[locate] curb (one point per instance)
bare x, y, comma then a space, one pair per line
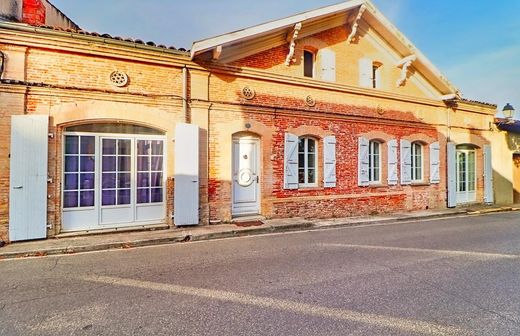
306, 225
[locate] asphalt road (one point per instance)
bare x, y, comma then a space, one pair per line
457, 276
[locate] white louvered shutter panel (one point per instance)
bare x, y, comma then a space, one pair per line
452, 174
28, 177
328, 65
488, 175
365, 72
435, 163
363, 162
291, 161
392, 162
406, 162
329, 162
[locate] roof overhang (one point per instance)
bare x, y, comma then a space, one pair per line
259, 38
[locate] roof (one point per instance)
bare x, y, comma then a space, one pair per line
476, 102
78, 33
276, 32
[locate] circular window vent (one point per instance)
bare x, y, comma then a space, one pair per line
309, 100
118, 78
248, 93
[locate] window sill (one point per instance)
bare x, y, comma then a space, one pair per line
310, 188
377, 185
420, 184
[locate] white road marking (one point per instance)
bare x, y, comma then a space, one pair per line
450, 253
382, 321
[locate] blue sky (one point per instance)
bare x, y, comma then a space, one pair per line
476, 44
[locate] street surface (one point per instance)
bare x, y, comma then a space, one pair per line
458, 276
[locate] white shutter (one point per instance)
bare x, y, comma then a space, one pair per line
488, 175
451, 154
406, 162
28, 177
329, 162
291, 161
365, 72
392, 162
435, 163
363, 162
186, 194
328, 65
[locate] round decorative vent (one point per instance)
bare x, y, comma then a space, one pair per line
309, 100
118, 78
248, 93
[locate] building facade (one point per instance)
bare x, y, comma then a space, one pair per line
330, 113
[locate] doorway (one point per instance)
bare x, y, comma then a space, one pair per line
466, 175
246, 176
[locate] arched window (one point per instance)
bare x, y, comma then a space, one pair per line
417, 162
374, 161
307, 162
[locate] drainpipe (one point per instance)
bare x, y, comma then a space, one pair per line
185, 94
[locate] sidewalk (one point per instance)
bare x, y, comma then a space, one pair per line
122, 240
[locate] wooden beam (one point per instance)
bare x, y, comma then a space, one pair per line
292, 37
355, 24
217, 52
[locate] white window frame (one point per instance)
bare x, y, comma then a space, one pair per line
305, 153
376, 75
413, 153
313, 63
371, 167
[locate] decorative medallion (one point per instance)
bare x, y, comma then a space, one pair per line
245, 177
118, 78
248, 93
309, 100
380, 110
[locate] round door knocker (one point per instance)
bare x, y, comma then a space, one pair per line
245, 157
245, 177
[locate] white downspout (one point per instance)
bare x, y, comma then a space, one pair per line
185, 94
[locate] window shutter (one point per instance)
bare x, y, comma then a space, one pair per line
435, 162
488, 175
291, 161
452, 174
329, 162
406, 162
365, 72
28, 177
363, 162
392, 162
328, 65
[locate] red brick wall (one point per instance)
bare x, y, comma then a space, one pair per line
33, 12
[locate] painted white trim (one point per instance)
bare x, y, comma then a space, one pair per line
306, 163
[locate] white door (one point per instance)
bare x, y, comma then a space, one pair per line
112, 180
466, 176
246, 179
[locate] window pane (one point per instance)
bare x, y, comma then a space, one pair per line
108, 180
157, 163
124, 163
87, 163
88, 144
143, 180
108, 197
157, 147
143, 147
109, 146
86, 181
86, 198
301, 175
157, 179
301, 160
71, 144
71, 181
143, 195
157, 195
311, 146
301, 145
123, 196
71, 163
109, 163
70, 199
311, 160
143, 163
123, 180
124, 147
311, 174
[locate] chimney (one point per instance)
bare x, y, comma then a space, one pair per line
33, 12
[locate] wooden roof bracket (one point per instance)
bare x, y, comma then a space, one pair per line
404, 64
355, 24
291, 38
217, 52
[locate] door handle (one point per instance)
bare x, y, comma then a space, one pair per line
18, 187
257, 179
